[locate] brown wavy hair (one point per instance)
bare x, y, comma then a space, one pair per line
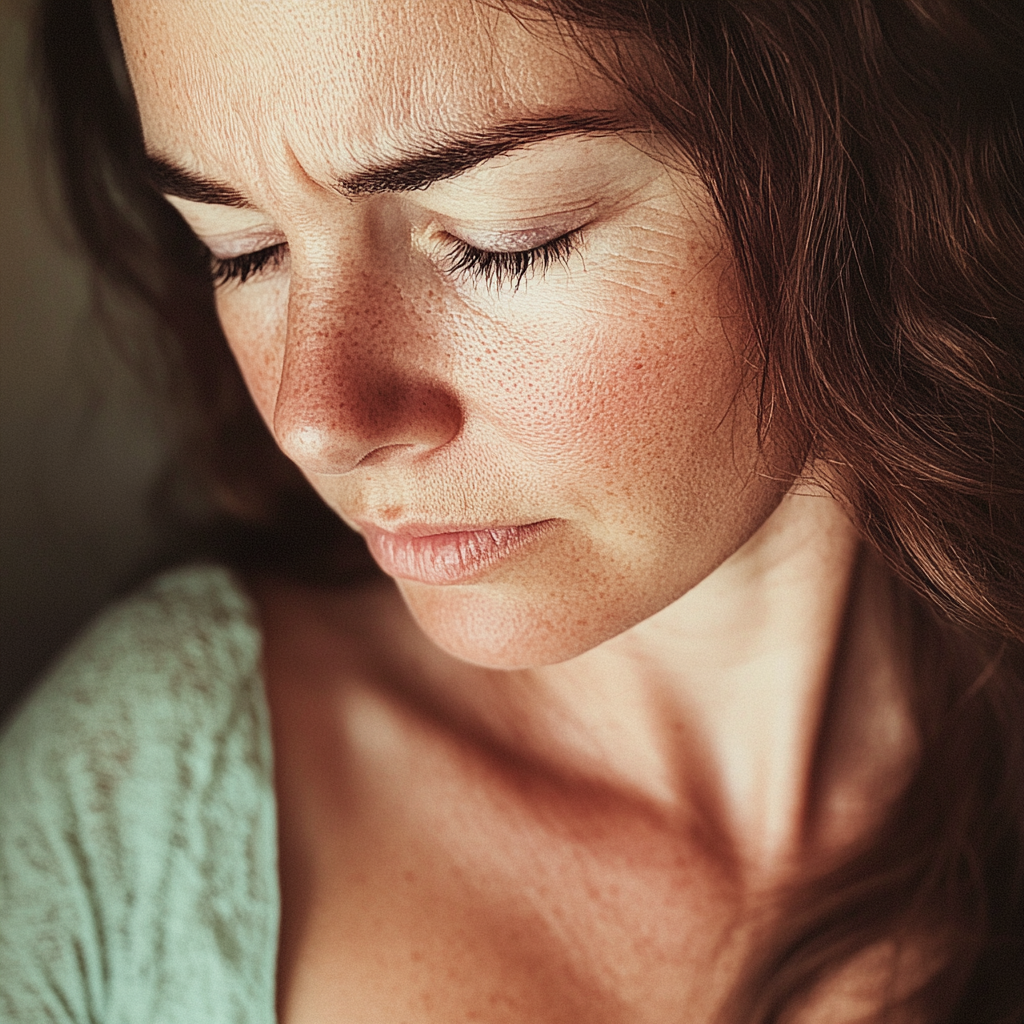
867, 161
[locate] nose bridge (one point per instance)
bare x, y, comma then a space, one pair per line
351, 386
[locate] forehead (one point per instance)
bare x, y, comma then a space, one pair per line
337, 81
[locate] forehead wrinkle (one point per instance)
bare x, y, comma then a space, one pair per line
407, 69
485, 69
354, 91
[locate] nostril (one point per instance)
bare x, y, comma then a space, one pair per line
381, 454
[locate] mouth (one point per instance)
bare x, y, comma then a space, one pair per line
437, 556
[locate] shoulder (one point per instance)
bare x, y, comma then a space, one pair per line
137, 831
163, 668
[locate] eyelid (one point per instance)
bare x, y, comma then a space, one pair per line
517, 239
228, 232
227, 247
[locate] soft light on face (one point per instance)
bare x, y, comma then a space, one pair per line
426, 385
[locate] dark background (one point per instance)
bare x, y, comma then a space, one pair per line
79, 442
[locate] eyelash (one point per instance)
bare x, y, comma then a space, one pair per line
495, 269
500, 269
241, 268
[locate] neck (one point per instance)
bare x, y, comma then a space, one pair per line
716, 706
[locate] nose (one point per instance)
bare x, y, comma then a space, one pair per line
356, 386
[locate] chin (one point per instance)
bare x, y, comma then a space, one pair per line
503, 627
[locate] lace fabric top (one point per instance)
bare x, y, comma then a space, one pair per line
138, 838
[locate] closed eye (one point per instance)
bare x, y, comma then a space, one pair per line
495, 268
239, 269
509, 269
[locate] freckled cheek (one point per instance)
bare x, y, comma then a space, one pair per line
620, 388
255, 326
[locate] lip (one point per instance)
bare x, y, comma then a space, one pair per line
440, 556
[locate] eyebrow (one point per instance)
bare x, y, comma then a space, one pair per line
170, 179
456, 154
449, 157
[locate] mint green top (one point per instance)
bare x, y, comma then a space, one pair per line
138, 838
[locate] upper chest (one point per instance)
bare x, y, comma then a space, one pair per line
425, 880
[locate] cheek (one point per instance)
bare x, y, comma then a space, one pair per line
621, 391
255, 323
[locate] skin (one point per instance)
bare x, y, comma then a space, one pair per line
556, 791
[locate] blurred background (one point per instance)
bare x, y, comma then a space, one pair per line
80, 443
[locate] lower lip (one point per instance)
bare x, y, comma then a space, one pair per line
441, 558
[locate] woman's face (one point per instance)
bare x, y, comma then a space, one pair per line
543, 448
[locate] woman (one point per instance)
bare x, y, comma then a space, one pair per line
668, 358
